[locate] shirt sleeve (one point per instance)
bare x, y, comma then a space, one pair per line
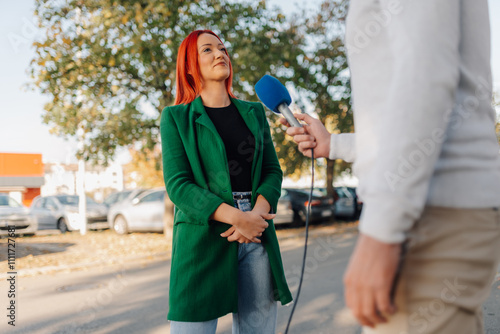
343, 146
424, 41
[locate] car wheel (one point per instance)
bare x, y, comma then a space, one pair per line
120, 225
62, 226
298, 219
303, 215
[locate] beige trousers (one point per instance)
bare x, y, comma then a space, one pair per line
452, 257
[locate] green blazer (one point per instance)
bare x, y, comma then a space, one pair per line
204, 266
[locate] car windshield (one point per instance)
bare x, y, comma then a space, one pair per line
8, 201
123, 195
343, 193
72, 200
117, 197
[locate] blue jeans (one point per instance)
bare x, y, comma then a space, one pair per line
257, 309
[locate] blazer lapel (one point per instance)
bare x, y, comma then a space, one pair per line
245, 109
211, 149
203, 118
247, 112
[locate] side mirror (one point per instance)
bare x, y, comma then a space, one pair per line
135, 201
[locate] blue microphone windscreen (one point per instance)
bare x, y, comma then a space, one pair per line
272, 92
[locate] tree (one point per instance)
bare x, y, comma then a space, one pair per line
109, 65
143, 170
321, 78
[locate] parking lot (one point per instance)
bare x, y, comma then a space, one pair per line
119, 283
51, 250
150, 210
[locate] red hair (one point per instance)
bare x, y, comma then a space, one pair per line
188, 85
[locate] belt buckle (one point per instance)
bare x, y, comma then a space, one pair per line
242, 196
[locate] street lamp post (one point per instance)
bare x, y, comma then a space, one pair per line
82, 202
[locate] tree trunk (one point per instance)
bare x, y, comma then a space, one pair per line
330, 173
168, 218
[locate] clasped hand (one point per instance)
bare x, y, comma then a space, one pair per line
249, 227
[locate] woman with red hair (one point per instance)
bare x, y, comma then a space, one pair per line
222, 173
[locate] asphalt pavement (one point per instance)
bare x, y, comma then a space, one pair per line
133, 298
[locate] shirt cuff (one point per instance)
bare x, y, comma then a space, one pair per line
342, 146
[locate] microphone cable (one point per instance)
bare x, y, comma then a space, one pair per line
305, 245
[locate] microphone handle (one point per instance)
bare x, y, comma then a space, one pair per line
285, 111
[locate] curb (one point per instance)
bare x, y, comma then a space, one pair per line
321, 231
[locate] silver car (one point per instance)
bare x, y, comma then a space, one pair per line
347, 204
13, 214
121, 195
61, 212
141, 213
284, 212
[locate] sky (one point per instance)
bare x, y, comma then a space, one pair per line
21, 128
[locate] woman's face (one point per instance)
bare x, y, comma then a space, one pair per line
212, 59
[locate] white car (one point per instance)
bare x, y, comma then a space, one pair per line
119, 196
15, 217
140, 213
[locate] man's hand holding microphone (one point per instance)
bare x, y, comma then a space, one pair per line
313, 134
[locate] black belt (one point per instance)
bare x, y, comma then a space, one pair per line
239, 196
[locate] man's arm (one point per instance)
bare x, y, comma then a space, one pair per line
424, 42
423, 47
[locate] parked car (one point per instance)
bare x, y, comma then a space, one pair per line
322, 206
284, 213
348, 203
61, 212
119, 196
359, 202
141, 213
14, 214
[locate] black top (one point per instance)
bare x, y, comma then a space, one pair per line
239, 143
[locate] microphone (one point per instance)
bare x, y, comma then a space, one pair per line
275, 96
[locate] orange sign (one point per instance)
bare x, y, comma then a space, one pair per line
21, 164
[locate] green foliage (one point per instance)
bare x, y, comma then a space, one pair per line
143, 171
109, 66
321, 79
